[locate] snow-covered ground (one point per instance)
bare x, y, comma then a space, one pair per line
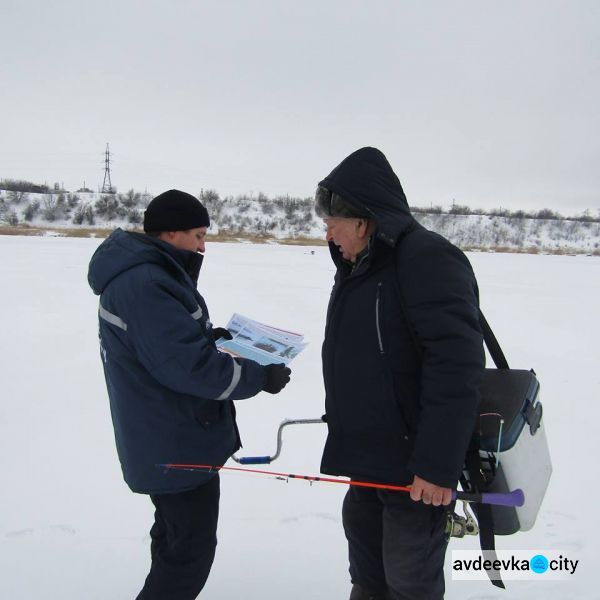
69, 527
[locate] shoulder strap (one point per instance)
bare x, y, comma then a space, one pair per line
492, 343
485, 518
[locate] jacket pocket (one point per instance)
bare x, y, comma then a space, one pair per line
406, 394
206, 412
393, 411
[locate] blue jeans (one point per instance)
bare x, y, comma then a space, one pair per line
395, 545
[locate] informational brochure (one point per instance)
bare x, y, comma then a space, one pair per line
261, 343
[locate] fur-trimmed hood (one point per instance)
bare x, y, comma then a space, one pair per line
367, 180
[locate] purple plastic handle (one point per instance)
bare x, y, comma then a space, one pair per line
514, 498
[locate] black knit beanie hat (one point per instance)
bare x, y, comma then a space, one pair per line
175, 211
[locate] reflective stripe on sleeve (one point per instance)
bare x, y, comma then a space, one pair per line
113, 319
235, 378
197, 314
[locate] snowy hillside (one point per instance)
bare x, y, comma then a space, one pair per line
286, 217
69, 527
511, 233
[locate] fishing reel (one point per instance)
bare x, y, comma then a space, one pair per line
458, 527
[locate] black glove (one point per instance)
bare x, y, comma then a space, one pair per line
277, 377
221, 332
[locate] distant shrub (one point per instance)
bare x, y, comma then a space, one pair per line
31, 210
546, 213
459, 209
84, 213
23, 186
50, 209
134, 217
11, 217
106, 206
17, 196
130, 199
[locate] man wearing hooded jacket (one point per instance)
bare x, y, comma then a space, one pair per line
170, 389
402, 362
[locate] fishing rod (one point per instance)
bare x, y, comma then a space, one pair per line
514, 498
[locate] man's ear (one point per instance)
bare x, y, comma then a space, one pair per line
166, 236
363, 226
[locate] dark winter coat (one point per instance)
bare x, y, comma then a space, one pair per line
400, 399
170, 389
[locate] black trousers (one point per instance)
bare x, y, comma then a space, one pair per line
184, 539
395, 545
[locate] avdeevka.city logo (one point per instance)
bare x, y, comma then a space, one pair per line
513, 564
539, 563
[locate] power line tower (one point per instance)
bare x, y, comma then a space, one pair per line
107, 189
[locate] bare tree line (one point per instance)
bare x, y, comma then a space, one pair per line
288, 216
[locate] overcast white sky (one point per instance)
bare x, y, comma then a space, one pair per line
487, 103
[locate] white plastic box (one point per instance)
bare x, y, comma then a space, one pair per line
514, 448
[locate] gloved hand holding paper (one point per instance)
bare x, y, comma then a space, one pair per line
262, 343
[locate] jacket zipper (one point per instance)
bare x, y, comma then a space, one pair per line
377, 324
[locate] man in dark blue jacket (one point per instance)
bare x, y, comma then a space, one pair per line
402, 362
170, 389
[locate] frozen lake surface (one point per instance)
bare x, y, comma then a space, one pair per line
70, 528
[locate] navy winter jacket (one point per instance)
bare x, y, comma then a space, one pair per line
170, 389
403, 351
